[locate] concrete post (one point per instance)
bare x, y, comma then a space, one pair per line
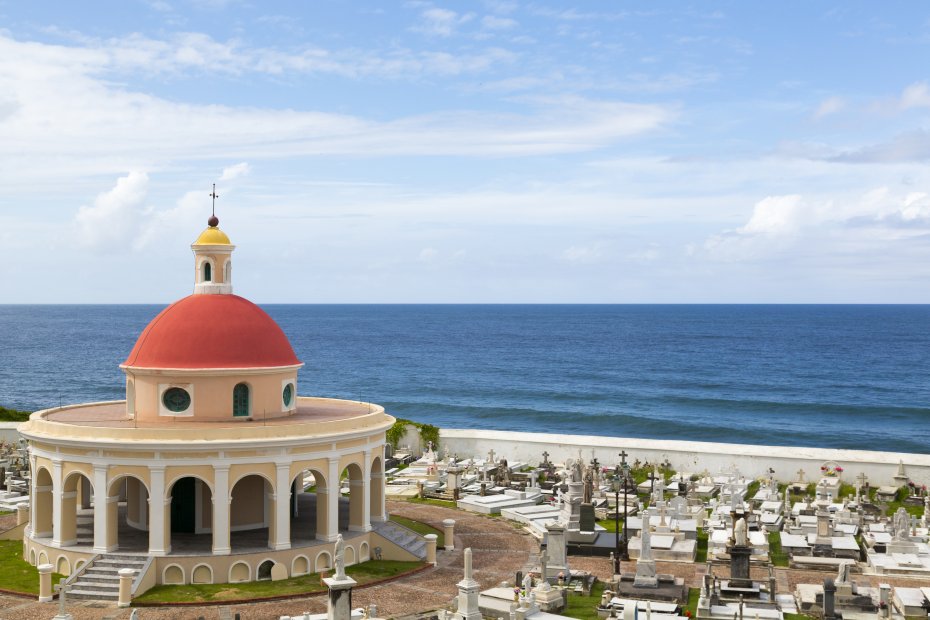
431, 548
22, 514
125, 587
448, 532
340, 598
45, 583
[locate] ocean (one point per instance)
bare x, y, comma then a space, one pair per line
838, 376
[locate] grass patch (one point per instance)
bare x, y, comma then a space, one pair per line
367, 572
752, 489
13, 415
610, 525
421, 528
431, 502
17, 574
776, 555
584, 607
694, 594
701, 552
797, 617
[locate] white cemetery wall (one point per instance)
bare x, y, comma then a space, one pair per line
8, 432
693, 456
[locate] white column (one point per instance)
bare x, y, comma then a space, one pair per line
100, 509
157, 543
332, 500
282, 507
221, 500
380, 512
33, 494
56, 502
366, 491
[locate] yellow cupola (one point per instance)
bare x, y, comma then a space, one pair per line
212, 261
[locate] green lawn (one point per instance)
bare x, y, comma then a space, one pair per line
584, 607
694, 594
431, 502
701, 555
776, 555
610, 526
366, 572
16, 574
421, 528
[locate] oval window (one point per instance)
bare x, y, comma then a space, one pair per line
176, 399
288, 394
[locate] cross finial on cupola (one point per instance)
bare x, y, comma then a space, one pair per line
214, 221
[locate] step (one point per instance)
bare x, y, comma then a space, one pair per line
92, 593
120, 563
99, 577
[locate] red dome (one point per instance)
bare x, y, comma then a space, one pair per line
212, 331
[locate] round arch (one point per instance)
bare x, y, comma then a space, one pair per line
77, 492
251, 510
352, 514
324, 561
190, 518
308, 508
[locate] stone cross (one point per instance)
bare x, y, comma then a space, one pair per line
545, 456
862, 479
533, 475
543, 560
491, 456
800, 475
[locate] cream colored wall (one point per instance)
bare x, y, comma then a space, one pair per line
222, 564
219, 266
213, 395
248, 502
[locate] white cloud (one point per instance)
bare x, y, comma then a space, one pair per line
235, 171
857, 228
916, 95
63, 111
427, 255
829, 106
441, 22
775, 215
584, 254
112, 222
492, 22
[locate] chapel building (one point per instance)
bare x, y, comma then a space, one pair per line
213, 467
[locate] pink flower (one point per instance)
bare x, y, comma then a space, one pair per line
839, 469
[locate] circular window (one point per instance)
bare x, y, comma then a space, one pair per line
176, 399
288, 394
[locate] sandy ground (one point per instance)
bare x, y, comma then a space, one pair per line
500, 548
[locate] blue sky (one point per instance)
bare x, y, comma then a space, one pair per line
468, 152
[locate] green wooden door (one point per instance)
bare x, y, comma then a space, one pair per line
241, 400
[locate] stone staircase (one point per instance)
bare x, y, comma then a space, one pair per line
403, 537
99, 580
